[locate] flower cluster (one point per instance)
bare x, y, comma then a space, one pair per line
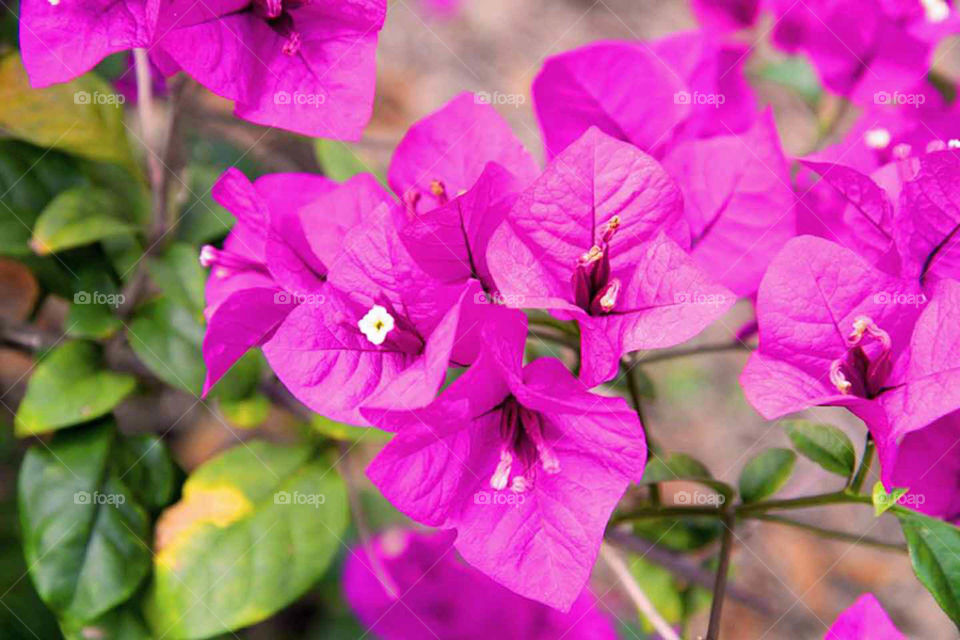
299, 65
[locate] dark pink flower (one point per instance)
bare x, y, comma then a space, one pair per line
868, 56
836, 331
650, 94
523, 462
600, 238
434, 594
865, 619
304, 66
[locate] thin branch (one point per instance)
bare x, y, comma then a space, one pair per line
720, 585
639, 598
681, 567
832, 534
856, 484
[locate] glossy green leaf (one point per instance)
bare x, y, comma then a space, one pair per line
935, 554
167, 338
68, 387
86, 540
78, 216
257, 526
93, 308
146, 466
179, 274
680, 534
29, 178
766, 474
825, 444
83, 117
122, 623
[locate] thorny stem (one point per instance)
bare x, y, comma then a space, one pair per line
856, 484
719, 587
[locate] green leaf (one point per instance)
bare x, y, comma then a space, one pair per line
86, 540
69, 387
935, 555
882, 501
664, 591
347, 432
167, 338
78, 216
680, 466
246, 413
29, 178
122, 623
341, 161
766, 474
242, 379
179, 274
93, 309
825, 444
257, 527
83, 117
145, 465
680, 534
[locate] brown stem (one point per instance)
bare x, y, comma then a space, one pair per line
720, 584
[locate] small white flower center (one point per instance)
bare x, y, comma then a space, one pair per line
376, 324
953, 143
53, 3
877, 138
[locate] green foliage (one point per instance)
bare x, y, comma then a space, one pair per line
883, 500
341, 161
680, 466
70, 386
766, 474
256, 527
82, 116
179, 274
167, 338
76, 217
933, 546
825, 444
86, 538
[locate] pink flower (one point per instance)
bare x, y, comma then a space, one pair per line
304, 66
523, 462
865, 619
599, 238
437, 595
